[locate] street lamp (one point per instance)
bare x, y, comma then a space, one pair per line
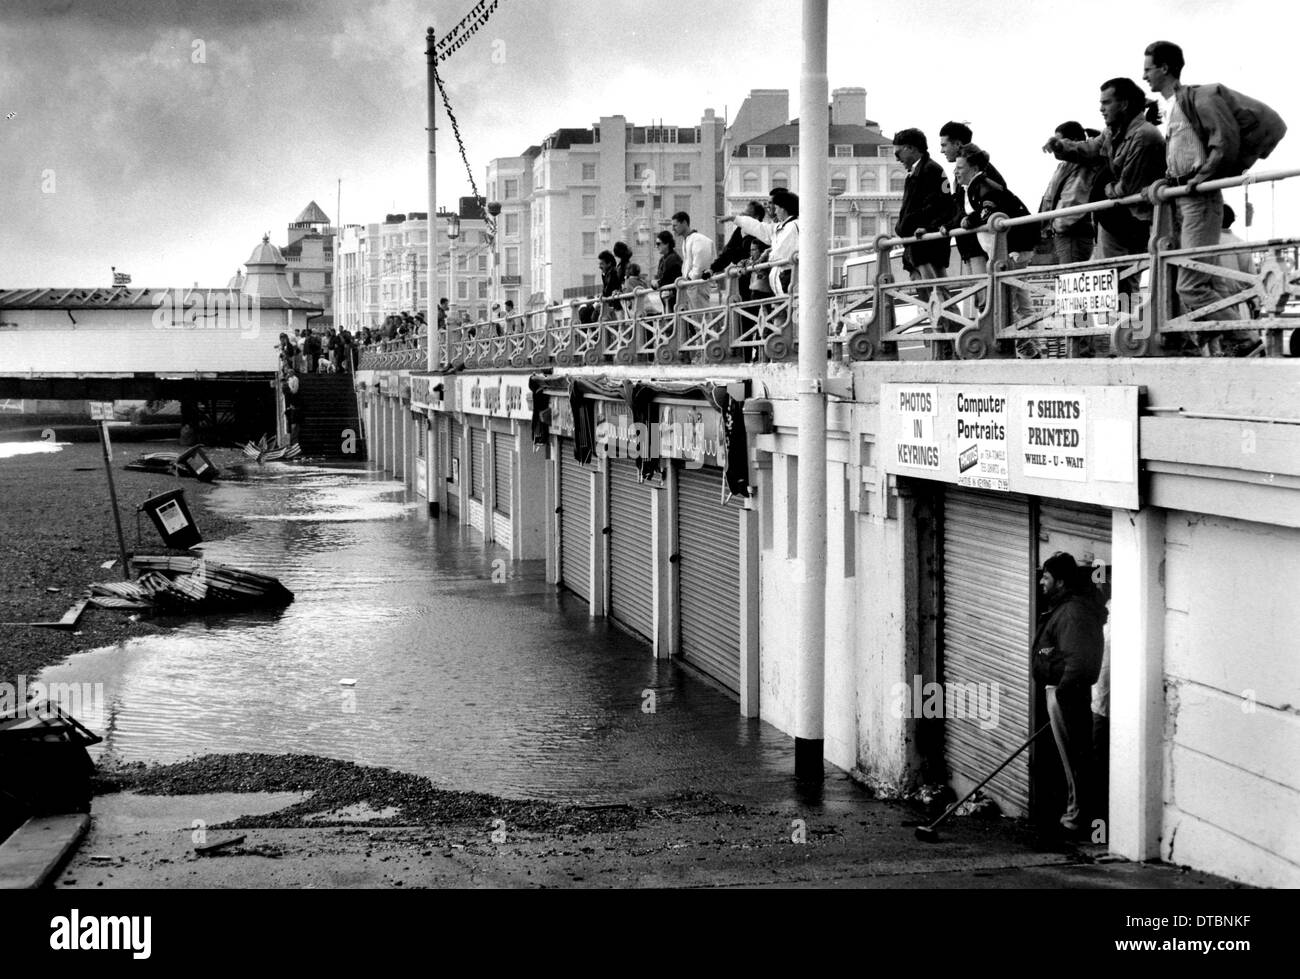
835, 191
493, 209
453, 232
643, 237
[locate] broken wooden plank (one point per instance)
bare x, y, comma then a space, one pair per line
211, 848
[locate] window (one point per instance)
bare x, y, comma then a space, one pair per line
482, 263
681, 202
588, 171
839, 182
295, 279
329, 276
779, 179
424, 290
589, 243
841, 226
512, 261
656, 202
843, 149
588, 282
462, 262
512, 188
638, 171
588, 205
886, 151
512, 224
866, 226
868, 181
897, 180
462, 289
639, 204
755, 152
681, 171
749, 182
482, 288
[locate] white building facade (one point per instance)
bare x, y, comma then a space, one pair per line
866, 182
582, 190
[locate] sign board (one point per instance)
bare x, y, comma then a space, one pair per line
423, 395
101, 411
1069, 443
1093, 291
688, 432
500, 395
510, 280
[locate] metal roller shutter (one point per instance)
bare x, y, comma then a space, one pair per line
502, 470
708, 549
987, 577
575, 523
631, 551
1080, 529
477, 450
453, 488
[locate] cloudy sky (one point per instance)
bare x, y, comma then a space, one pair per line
166, 136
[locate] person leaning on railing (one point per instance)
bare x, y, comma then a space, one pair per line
1205, 142
987, 197
669, 271
1072, 235
1133, 153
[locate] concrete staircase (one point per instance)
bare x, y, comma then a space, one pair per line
329, 414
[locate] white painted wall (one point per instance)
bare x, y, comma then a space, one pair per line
107, 341
1232, 694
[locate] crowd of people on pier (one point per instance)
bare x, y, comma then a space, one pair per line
1187, 135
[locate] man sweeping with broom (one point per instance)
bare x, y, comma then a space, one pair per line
1067, 661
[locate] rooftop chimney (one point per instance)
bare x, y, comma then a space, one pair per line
849, 107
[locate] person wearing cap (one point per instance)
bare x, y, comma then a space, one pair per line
1067, 656
927, 206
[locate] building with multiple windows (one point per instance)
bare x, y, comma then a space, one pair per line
309, 257
581, 190
382, 269
866, 182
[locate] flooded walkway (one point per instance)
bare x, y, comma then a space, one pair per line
469, 669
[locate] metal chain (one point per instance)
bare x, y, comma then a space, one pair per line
460, 143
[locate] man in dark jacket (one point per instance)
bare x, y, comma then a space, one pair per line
670, 269
927, 206
737, 250
1067, 655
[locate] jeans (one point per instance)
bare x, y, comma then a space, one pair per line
1199, 220
1071, 720
1071, 248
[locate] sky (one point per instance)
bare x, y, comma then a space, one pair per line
165, 137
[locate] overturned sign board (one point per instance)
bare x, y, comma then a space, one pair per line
1069, 443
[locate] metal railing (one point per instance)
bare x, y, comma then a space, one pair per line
995, 314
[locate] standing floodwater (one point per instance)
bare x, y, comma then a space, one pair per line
468, 668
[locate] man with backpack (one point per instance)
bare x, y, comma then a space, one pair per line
1214, 133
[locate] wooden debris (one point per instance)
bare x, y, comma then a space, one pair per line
211, 848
